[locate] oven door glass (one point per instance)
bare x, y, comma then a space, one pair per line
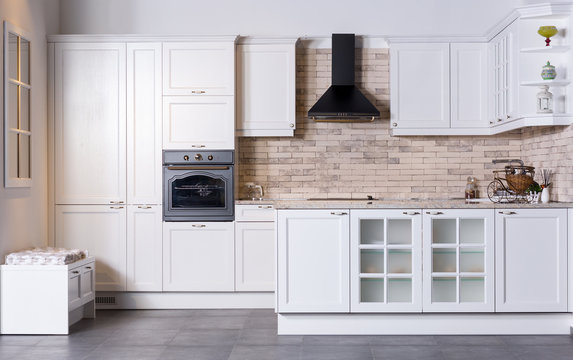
198, 191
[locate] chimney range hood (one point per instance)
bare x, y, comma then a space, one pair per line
343, 102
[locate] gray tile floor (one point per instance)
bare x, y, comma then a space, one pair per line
251, 335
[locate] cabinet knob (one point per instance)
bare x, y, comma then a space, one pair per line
499, 120
394, 124
198, 225
491, 122
411, 213
508, 116
338, 213
507, 212
434, 213
291, 125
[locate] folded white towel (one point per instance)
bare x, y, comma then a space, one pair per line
47, 256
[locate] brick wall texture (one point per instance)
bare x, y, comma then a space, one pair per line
359, 159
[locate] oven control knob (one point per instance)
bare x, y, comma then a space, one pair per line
210, 157
186, 157
198, 157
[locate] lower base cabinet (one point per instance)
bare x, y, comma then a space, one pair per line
198, 256
255, 256
531, 260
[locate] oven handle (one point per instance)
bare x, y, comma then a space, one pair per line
198, 167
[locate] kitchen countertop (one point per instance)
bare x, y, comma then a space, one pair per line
397, 204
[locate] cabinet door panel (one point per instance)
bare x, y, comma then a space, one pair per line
313, 261
420, 85
90, 123
144, 248
199, 68
266, 83
198, 122
100, 229
144, 123
198, 256
255, 256
468, 64
531, 260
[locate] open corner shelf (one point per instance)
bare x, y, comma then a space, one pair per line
547, 49
546, 82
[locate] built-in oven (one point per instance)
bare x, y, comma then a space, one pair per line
198, 185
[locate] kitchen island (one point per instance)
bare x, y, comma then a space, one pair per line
422, 267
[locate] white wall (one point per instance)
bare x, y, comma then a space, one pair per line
283, 17
24, 212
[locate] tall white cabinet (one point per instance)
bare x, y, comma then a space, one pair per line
107, 157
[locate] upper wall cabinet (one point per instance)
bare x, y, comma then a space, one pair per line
90, 123
266, 87
199, 68
438, 88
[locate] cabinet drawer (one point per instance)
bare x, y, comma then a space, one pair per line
87, 283
263, 212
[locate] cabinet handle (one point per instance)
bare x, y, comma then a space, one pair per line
394, 124
491, 122
197, 146
265, 206
434, 213
291, 125
88, 267
410, 213
144, 207
507, 212
499, 120
116, 202
198, 225
508, 116
338, 213
198, 91
116, 207
75, 272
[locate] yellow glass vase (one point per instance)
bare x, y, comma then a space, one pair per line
547, 32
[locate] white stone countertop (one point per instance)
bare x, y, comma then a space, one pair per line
398, 204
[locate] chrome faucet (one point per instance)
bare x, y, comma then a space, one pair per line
254, 189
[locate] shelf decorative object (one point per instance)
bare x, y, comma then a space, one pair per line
548, 72
547, 32
544, 101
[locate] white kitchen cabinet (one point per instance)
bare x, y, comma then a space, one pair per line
458, 260
255, 256
504, 75
144, 176
313, 261
198, 256
531, 260
198, 122
90, 123
420, 85
468, 66
266, 88
199, 68
386, 260
101, 230
144, 248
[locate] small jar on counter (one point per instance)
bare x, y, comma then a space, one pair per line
471, 188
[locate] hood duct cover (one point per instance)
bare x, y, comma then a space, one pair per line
343, 101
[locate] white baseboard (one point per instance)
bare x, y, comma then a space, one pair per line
424, 324
161, 300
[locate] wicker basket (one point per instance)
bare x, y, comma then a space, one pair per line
519, 182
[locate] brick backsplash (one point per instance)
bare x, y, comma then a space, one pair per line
359, 159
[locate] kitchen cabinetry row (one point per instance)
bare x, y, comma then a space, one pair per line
485, 86
137, 252
448, 260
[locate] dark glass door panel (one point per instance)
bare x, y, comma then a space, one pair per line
198, 191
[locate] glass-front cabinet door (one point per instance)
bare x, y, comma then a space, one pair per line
386, 259
458, 260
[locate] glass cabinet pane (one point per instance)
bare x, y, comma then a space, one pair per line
13, 56
372, 261
471, 260
444, 289
372, 290
12, 106
444, 260
24, 157
444, 231
472, 289
24, 109
12, 155
24, 61
372, 231
400, 261
399, 290
399, 231
472, 231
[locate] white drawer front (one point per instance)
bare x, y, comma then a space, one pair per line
263, 212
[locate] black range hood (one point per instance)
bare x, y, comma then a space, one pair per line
343, 102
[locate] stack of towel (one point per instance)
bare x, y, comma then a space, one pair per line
47, 256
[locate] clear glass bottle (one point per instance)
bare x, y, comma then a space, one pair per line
471, 188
